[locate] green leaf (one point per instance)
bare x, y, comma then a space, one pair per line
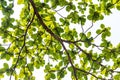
101, 17
8, 57
98, 31
89, 17
118, 7
30, 66
83, 20
117, 76
47, 67
68, 8
60, 63
109, 5
53, 76
20, 1
2, 56
66, 29
50, 39
102, 26
1, 76
70, 68
104, 71
87, 43
46, 1
37, 65
34, 29
6, 66
2, 48
2, 70
61, 20
88, 34
83, 37
71, 46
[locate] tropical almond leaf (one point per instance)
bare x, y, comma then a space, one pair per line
20, 2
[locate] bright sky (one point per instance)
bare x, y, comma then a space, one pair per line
113, 21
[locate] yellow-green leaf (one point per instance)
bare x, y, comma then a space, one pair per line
104, 71
20, 1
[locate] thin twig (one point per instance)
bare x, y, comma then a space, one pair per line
60, 9
59, 14
89, 27
97, 47
82, 29
99, 34
62, 70
14, 67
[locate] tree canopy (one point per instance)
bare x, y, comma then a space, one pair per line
39, 33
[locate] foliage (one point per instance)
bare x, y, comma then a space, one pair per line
39, 33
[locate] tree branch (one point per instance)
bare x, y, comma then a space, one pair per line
14, 67
89, 73
70, 60
42, 23
52, 34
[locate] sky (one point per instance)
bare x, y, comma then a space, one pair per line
112, 21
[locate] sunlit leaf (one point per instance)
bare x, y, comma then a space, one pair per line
104, 71
20, 1
63, 38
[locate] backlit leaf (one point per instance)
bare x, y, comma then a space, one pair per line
20, 1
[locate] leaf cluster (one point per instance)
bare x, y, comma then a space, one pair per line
40, 33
